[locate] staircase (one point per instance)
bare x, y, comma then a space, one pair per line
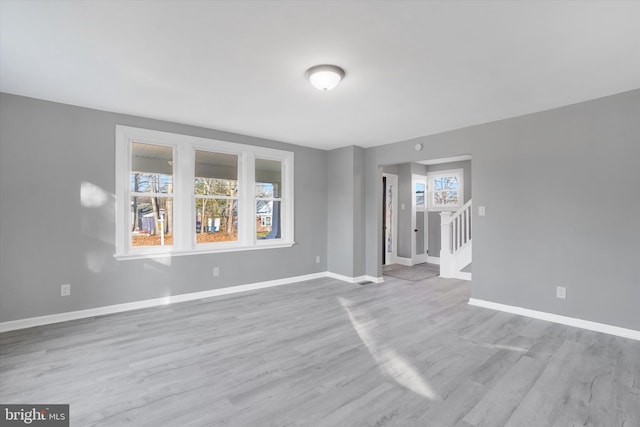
455, 252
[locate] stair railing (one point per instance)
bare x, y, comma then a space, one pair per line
455, 234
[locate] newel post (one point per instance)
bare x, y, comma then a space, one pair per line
445, 244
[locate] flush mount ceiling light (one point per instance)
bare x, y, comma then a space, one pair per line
325, 77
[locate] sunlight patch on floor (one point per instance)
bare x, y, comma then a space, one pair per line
506, 347
389, 361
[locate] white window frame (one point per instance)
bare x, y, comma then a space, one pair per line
439, 207
184, 218
418, 179
225, 148
281, 199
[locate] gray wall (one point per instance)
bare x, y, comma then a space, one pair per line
345, 211
359, 228
340, 233
404, 215
434, 217
545, 179
48, 150
392, 169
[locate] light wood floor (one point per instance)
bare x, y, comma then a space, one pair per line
326, 353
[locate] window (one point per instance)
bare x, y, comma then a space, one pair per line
420, 193
181, 195
216, 197
445, 190
151, 185
268, 197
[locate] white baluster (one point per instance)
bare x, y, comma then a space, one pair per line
464, 227
445, 244
455, 235
468, 214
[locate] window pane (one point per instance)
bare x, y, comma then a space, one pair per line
216, 220
151, 168
445, 183
420, 189
267, 219
268, 178
151, 221
216, 174
445, 197
452, 197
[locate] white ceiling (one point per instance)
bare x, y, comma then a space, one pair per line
412, 68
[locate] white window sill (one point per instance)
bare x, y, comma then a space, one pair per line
152, 255
444, 208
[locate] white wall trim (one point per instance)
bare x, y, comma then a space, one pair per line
556, 318
155, 302
410, 262
210, 250
357, 279
404, 261
391, 256
420, 259
462, 275
445, 160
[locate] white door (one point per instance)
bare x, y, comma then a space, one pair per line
389, 218
419, 220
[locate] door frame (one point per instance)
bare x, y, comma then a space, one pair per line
390, 257
417, 258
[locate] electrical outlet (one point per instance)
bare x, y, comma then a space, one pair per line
561, 292
65, 290
317, 259
216, 271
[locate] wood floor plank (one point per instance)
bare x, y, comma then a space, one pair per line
541, 404
500, 401
325, 353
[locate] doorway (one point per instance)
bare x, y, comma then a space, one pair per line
419, 220
389, 218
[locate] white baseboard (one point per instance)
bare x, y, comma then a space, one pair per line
556, 318
404, 261
155, 302
433, 259
358, 279
420, 259
462, 275
410, 262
